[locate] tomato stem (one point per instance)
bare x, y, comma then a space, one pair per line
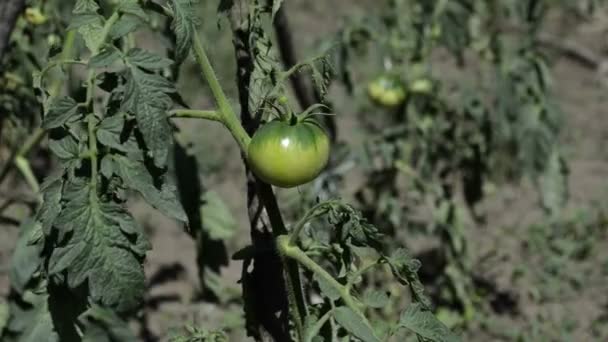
310, 214
300, 256
196, 114
226, 114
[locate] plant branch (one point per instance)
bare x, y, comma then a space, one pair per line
294, 252
92, 150
310, 214
196, 114
313, 331
227, 114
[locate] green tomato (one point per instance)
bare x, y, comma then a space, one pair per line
387, 91
288, 154
34, 16
422, 85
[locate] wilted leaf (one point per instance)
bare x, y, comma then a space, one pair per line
425, 324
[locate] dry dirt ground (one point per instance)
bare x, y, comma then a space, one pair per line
173, 298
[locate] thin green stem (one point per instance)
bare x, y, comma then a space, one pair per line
359, 273
91, 119
228, 116
105, 32
51, 65
91, 122
297, 254
196, 114
314, 330
65, 58
310, 214
31, 141
94, 50
24, 167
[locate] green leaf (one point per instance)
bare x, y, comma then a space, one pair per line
109, 133
147, 60
84, 6
218, 221
425, 324
60, 111
405, 268
104, 58
184, 22
102, 324
67, 150
85, 19
33, 323
354, 324
26, 258
326, 288
146, 97
51, 206
104, 247
107, 166
126, 24
375, 298
135, 176
90, 26
132, 7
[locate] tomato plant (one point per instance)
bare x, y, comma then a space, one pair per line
101, 92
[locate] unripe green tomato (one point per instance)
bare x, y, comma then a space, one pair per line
34, 16
422, 85
287, 154
386, 91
